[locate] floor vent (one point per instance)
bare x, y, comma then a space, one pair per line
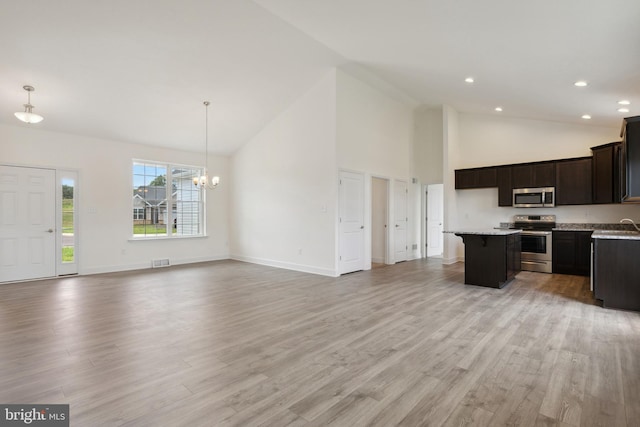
156, 263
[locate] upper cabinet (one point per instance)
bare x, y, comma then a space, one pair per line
631, 159
607, 183
505, 189
542, 174
475, 178
573, 181
611, 175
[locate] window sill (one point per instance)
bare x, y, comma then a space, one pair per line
146, 239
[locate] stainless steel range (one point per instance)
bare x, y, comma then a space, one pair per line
536, 241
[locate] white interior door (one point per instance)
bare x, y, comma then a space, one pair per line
27, 223
435, 217
400, 196
351, 222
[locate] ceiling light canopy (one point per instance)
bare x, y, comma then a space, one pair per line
204, 182
498, 109
469, 80
586, 116
624, 102
623, 110
28, 116
580, 83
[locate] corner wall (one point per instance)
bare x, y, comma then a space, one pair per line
104, 197
284, 189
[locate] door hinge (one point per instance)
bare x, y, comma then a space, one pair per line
340, 257
340, 182
406, 247
340, 219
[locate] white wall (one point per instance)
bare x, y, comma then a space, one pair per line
427, 150
374, 131
486, 140
285, 187
453, 250
379, 196
374, 135
104, 197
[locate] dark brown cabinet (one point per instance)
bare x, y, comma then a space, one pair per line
491, 260
533, 175
475, 178
631, 159
571, 253
573, 182
505, 189
606, 174
579, 181
616, 272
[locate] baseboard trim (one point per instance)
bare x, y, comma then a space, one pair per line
286, 265
448, 261
147, 265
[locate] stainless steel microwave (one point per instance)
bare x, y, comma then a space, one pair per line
534, 197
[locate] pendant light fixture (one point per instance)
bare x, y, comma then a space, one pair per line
204, 182
27, 115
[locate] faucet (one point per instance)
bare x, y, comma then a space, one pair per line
631, 221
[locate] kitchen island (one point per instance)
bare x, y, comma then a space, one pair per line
491, 257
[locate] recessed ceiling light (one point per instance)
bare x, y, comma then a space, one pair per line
469, 80
498, 109
624, 102
580, 83
623, 110
586, 116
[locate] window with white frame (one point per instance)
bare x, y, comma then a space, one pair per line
165, 201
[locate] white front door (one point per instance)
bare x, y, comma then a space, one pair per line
400, 196
435, 216
351, 222
27, 223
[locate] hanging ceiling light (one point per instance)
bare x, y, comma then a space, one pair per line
204, 181
27, 115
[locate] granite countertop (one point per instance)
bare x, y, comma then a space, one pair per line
600, 230
616, 234
486, 232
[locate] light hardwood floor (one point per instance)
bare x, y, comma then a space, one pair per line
230, 343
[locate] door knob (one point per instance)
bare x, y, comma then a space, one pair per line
397, 226
361, 227
49, 230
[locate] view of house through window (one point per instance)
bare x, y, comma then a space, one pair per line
165, 201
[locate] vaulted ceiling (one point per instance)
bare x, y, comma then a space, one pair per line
138, 71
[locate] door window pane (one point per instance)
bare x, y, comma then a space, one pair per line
68, 226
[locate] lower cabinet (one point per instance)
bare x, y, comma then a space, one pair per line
616, 271
571, 252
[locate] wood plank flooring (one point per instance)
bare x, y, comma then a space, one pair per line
234, 344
